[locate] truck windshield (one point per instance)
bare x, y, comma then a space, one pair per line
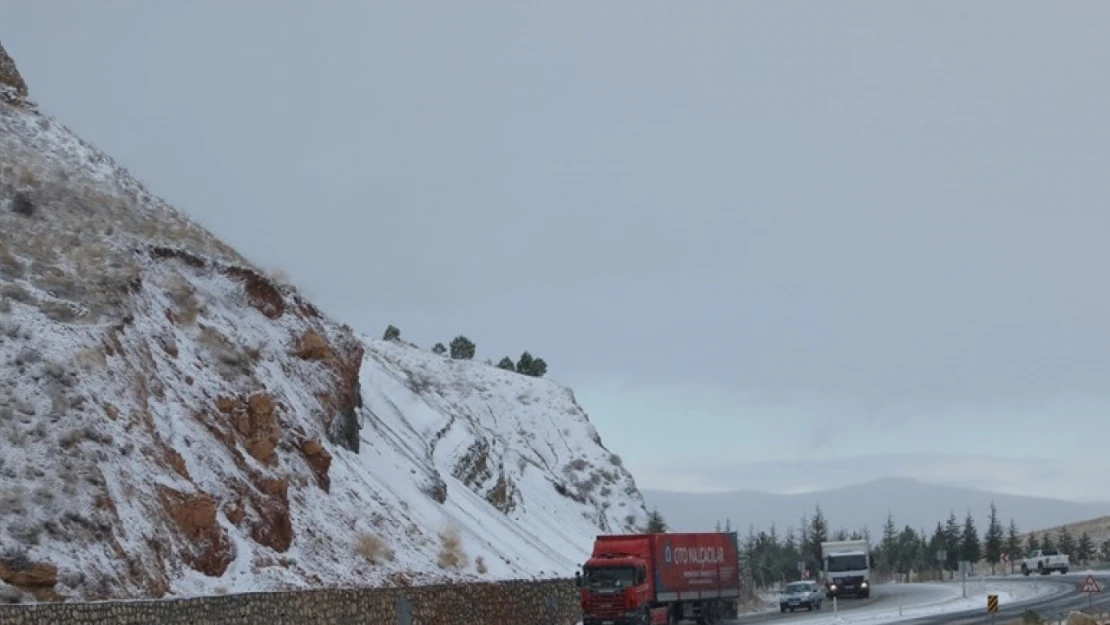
610, 577
847, 563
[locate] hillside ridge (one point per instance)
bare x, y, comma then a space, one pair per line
177, 422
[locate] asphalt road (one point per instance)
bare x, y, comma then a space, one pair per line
1050, 607
883, 596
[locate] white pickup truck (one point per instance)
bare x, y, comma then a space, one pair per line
1045, 561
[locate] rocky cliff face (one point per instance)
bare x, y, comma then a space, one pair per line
12, 87
174, 421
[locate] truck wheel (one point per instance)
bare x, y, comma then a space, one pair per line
1064, 571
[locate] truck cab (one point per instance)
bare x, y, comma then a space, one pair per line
847, 568
615, 590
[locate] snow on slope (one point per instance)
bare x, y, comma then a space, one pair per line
173, 421
526, 476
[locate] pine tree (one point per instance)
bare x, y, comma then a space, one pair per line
970, 548
804, 547
1031, 543
1085, 550
952, 542
439, 348
718, 527
462, 348
907, 551
888, 548
1013, 544
539, 368
938, 543
992, 540
655, 523
1067, 541
524, 364
1105, 551
507, 364
818, 533
392, 333
728, 524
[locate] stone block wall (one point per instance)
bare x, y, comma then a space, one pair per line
544, 602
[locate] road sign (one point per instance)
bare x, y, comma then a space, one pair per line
992, 603
1091, 585
942, 555
1005, 557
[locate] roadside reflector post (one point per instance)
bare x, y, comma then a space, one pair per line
836, 609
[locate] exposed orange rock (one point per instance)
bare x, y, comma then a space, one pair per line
261, 292
195, 516
320, 460
39, 575
313, 346
274, 525
177, 462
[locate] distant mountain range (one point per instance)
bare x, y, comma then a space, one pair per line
912, 503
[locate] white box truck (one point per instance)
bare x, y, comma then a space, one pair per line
846, 565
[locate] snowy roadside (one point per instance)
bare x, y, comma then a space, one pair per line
977, 591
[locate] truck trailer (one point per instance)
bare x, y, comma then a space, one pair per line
661, 579
846, 565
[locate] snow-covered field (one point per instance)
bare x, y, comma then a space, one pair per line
173, 420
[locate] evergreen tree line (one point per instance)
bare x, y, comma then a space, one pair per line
773, 557
462, 348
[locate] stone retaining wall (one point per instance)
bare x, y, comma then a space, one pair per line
545, 602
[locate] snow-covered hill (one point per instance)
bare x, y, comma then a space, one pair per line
174, 421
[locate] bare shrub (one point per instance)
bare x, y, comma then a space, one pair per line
27, 356
9, 328
616, 460
59, 311
184, 298
576, 464
16, 293
58, 283
91, 358
13, 500
480, 564
373, 548
451, 554
230, 357
10, 266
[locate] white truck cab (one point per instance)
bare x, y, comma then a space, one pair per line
846, 565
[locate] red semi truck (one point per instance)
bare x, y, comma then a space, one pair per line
661, 579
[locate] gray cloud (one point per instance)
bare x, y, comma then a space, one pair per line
891, 209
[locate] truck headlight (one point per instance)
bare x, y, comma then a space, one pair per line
833, 588
863, 585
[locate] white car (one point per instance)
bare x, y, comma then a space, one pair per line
1045, 561
803, 594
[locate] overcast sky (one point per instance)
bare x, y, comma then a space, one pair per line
744, 233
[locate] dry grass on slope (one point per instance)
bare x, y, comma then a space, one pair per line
1098, 529
71, 221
